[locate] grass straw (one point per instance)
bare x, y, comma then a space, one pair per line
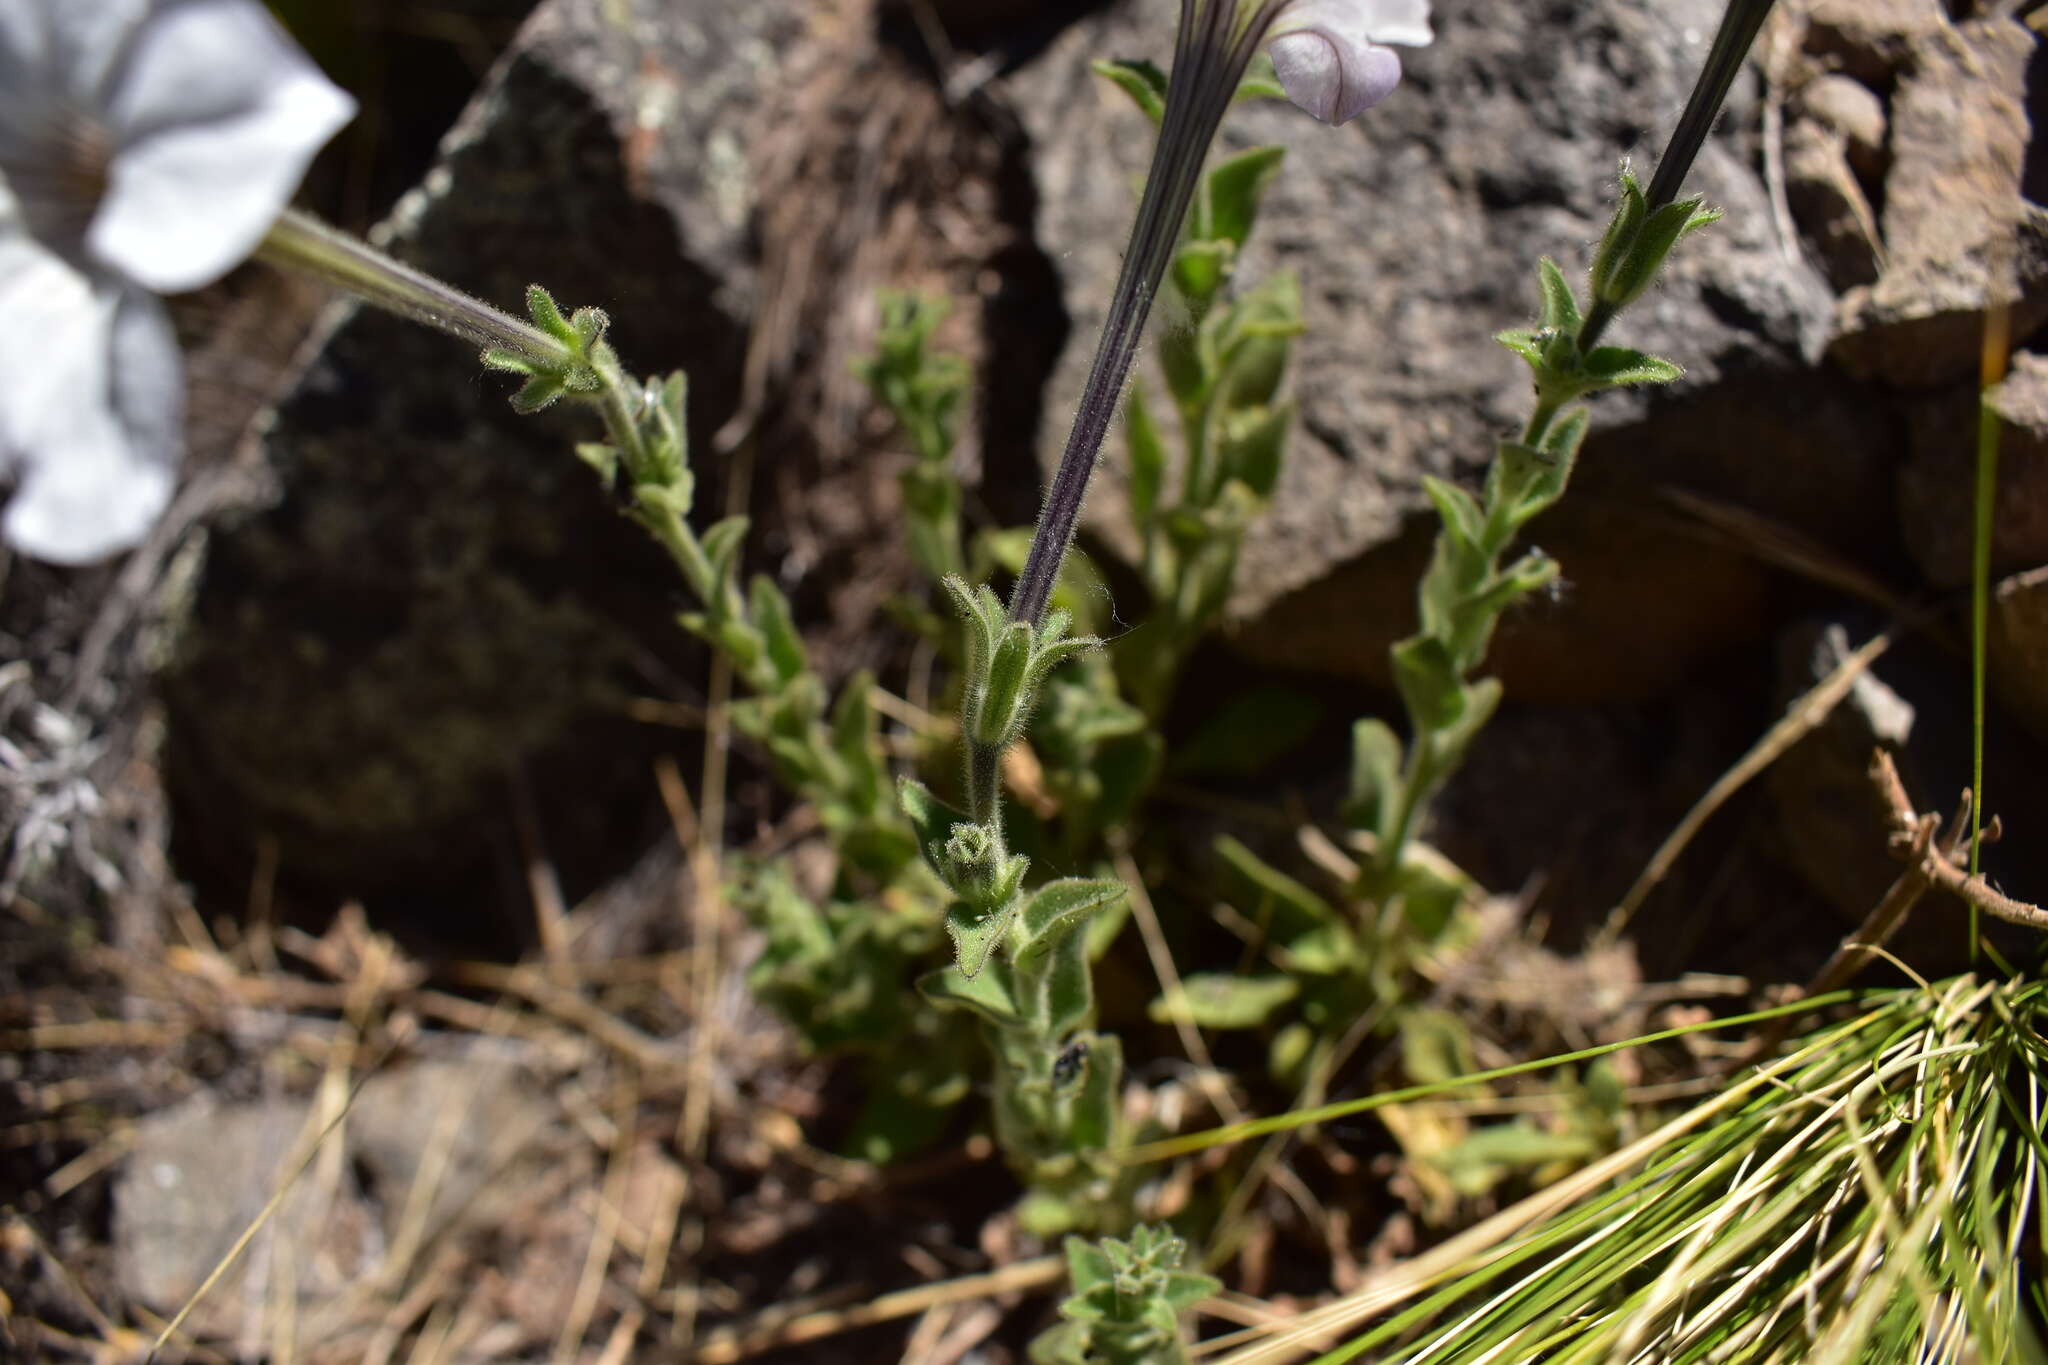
1992, 360
1878, 1199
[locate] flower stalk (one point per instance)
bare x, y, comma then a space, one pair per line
1215, 46
1740, 23
304, 245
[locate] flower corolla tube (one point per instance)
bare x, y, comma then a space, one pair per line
1330, 59
146, 147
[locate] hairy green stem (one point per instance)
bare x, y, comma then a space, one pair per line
304, 245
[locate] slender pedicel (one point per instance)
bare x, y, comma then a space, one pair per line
304, 244
1739, 25
1332, 69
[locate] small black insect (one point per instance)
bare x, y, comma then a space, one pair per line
1066, 1068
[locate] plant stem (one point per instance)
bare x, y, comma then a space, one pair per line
301, 243
1739, 25
1208, 65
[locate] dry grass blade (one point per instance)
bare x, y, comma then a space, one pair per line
270, 1208
1875, 1195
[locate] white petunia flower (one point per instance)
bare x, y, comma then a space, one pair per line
1329, 56
146, 146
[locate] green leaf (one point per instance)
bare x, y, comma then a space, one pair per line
1328, 950
1435, 1047
1255, 341
855, 739
1144, 82
1524, 343
1246, 734
933, 820
1221, 1001
1644, 258
587, 326
1254, 443
1562, 441
1234, 191
722, 547
1087, 1267
1272, 885
770, 612
1476, 704
1459, 511
1095, 1109
976, 932
1490, 1155
1620, 235
600, 457
1375, 774
1068, 1001
1532, 480
1619, 365
1430, 896
1057, 909
1560, 309
538, 392
1201, 267
1427, 679
547, 315
508, 361
999, 690
988, 994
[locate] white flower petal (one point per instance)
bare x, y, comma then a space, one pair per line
215, 114
86, 500
64, 46
53, 349
147, 380
1328, 56
1405, 22
1331, 79
91, 410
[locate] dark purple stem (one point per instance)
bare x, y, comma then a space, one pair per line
1739, 25
1208, 62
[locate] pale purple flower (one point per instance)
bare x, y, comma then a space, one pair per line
1329, 56
146, 146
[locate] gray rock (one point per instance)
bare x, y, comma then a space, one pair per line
1958, 235
1415, 232
1828, 201
1870, 39
1853, 111
444, 601
198, 1176
201, 1172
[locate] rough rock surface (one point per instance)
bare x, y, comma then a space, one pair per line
201, 1171
443, 608
1958, 233
1415, 232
